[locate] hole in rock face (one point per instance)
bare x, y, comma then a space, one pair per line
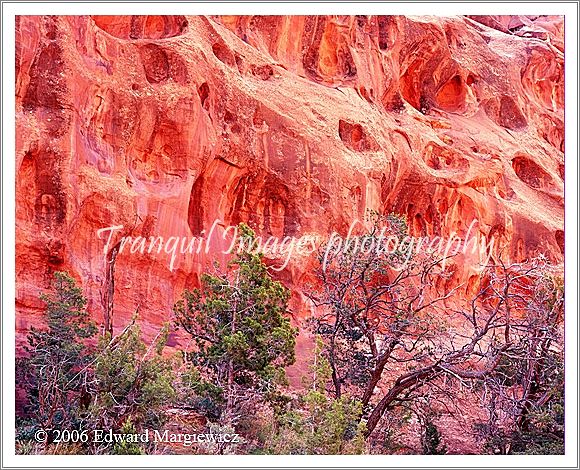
356, 134
155, 62
264, 72
55, 254
510, 115
552, 131
451, 96
419, 227
429, 214
543, 78
441, 158
363, 93
203, 92
328, 56
393, 102
263, 200
195, 213
142, 26
223, 54
410, 86
426, 67
531, 173
240, 63
387, 30
229, 117
361, 20
355, 137
42, 168
158, 27
505, 113
559, 235
490, 21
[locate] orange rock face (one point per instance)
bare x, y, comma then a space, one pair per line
296, 125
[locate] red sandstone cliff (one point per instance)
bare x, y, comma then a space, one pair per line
296, 125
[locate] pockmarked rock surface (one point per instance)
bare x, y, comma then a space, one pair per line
295, 125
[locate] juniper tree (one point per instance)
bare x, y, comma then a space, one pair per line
132, 383
55, 373
241, 334
116, 384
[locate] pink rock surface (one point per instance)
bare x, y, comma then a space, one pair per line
296, 125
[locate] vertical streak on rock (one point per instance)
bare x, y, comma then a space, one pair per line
109, 289
313, 34
308, 171
264, 132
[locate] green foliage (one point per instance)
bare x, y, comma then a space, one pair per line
431, 440
315, 423
66, 315
203, 396
320, 369
318, 424
125, 447
117, 384
54, 371
131, 381
543, 432
243, 341
238, 323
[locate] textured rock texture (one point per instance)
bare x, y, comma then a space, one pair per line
296, 125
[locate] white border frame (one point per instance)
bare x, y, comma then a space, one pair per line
10, 10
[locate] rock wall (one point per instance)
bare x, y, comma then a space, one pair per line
296, 125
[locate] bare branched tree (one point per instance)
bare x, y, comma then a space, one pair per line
388, 322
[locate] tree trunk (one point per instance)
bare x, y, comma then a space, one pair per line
370, 388
335, 378
401, 384
378, 372
230, 399
381, 407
